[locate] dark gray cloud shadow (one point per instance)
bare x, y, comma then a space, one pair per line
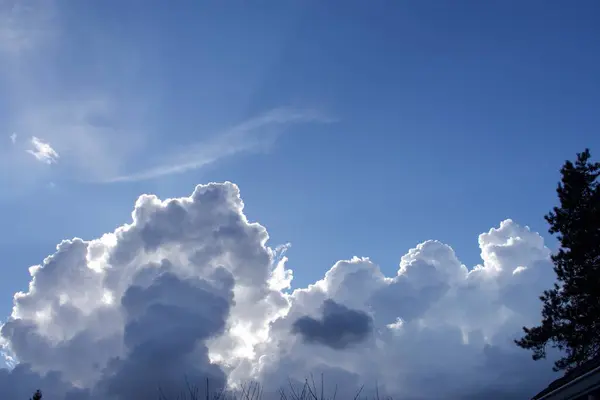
340, 327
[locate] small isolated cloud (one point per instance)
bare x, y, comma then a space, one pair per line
339, 327
190, 287
13, 138
42, 151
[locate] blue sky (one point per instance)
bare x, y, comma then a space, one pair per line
444, 118
351, 127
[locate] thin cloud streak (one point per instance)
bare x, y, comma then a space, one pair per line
245, 137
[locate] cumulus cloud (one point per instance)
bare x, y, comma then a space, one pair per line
42, 151
190, 287
163, 330
13, 138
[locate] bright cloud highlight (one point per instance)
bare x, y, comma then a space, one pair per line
191, 288
42, 151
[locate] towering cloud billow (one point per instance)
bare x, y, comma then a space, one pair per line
189, 288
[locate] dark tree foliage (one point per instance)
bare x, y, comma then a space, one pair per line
571, 309
37, 395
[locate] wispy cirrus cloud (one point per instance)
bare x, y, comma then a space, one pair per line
42, 151
251, 135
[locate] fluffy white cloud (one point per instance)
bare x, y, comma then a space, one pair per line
190, 288
42, 151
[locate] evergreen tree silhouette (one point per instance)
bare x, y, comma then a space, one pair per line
571, 309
